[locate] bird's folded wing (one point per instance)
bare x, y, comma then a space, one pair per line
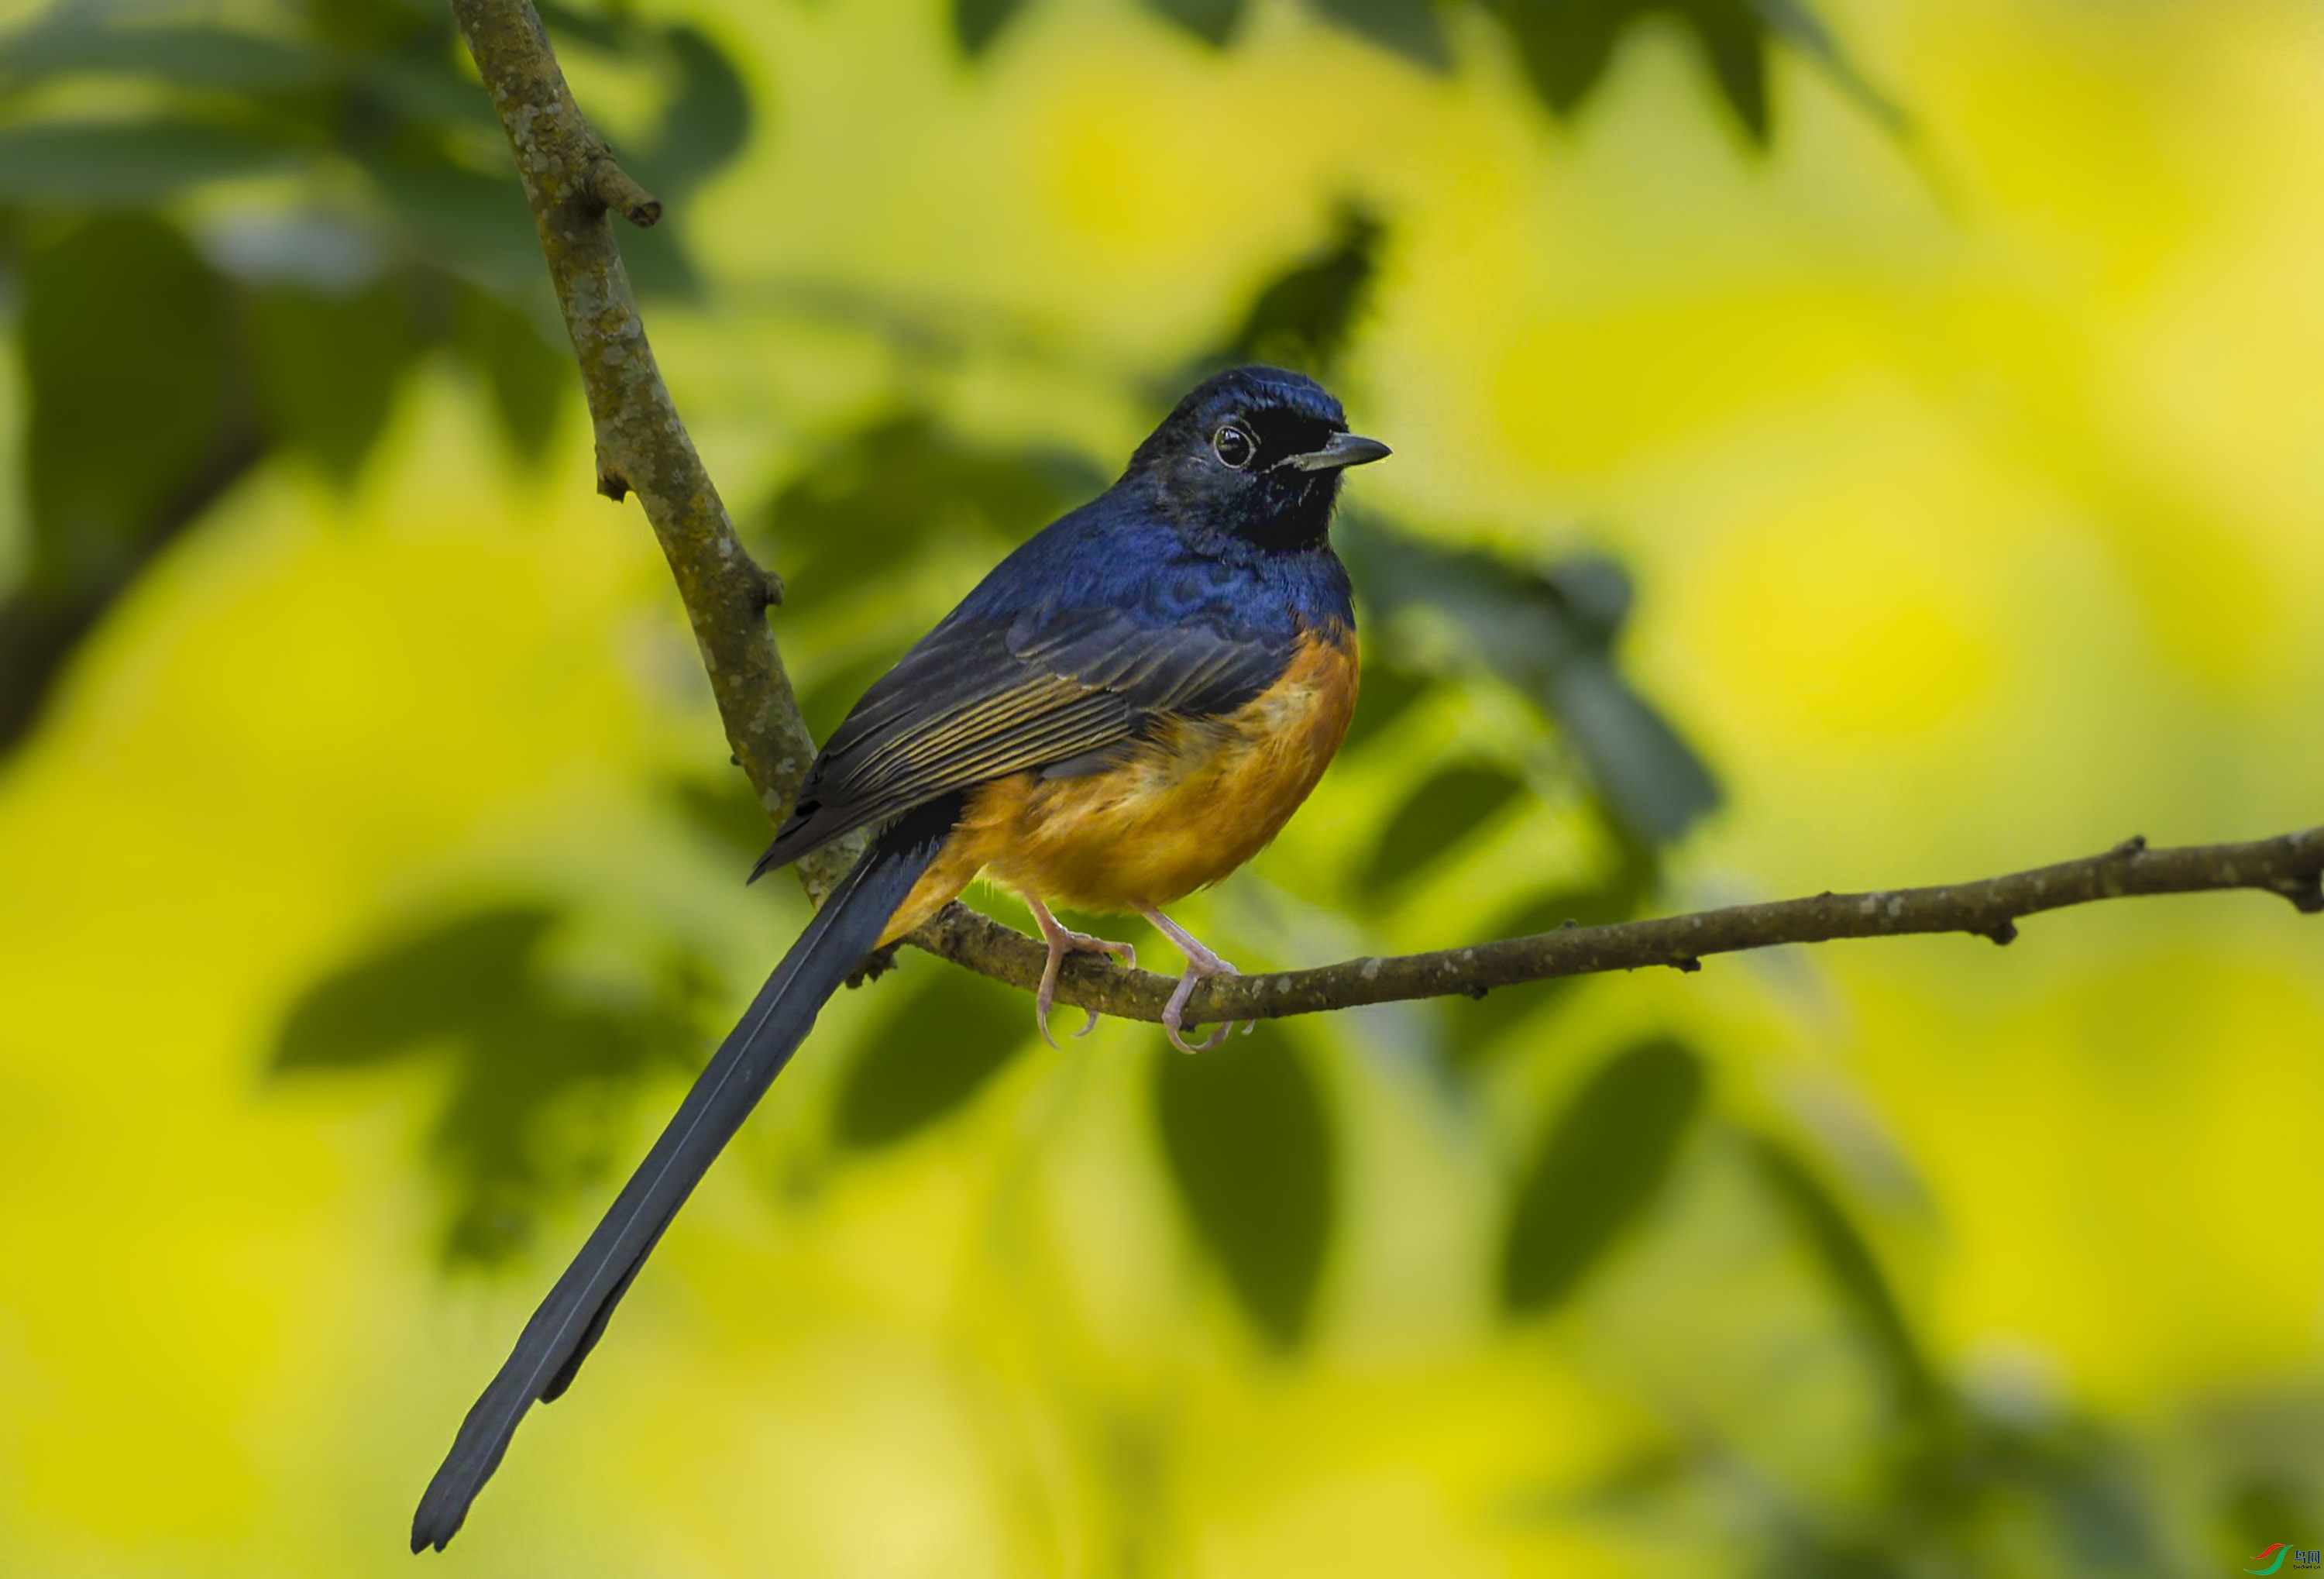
984, 696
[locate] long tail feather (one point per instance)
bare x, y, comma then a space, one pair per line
569, 1322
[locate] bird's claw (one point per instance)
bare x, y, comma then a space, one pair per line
1204, 1046
1174, 1014
1201, 965
1061, 943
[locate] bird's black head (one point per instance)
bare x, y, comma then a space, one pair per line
1254, 453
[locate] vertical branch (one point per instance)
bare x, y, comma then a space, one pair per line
572, 182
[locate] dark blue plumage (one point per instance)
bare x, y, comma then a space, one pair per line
1115, 553
1177, 538
1185, 589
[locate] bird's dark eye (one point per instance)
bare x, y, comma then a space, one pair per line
1233, 446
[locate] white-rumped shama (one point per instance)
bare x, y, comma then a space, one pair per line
1128, 708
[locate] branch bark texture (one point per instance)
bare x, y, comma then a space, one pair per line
2290, 866
572, 182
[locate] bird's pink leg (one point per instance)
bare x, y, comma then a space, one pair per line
1201, 965
1062, 941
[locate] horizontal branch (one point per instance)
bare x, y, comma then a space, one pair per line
2290, 867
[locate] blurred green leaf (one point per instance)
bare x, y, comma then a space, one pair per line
327, 365
1474, 1028
473, 988
871, 498
1521, 621
1212, 21
1600, 1167
1566, 45
1616, 894
2103, 1511
86, 40
1248, 1142
137, 420
1800, 1552
1735, 45
602, 24
476, 227
952, 1036
708, 119
413, 95
976, 23
131, 385
1410, 28
1387, 693
410, 101
1550, 632
128, 164
1305, 317
1848, 1262
371, 26
726, 810
1796, 25
1442, 812
432, 985
1650, 779
530, 380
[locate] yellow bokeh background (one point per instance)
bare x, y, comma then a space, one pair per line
1974, 484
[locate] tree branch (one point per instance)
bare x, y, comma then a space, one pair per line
571, 180
2290, 867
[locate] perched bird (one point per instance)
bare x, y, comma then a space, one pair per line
1128, 708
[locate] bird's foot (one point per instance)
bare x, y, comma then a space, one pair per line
1202, 965
1062, 941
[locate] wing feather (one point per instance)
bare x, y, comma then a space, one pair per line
981, 697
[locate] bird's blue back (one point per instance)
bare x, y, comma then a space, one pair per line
1116, 552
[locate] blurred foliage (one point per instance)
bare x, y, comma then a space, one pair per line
219, 334
1848, 1262
1600, 1167
1250, 1147
1565, 46
1551, 633
953, 1032
1452, 806
526, 1051
1954, 1472
233, 235
901, 481
1305, 316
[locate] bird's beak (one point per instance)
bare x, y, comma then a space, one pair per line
1345, 449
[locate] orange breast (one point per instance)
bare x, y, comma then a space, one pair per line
1181, 812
